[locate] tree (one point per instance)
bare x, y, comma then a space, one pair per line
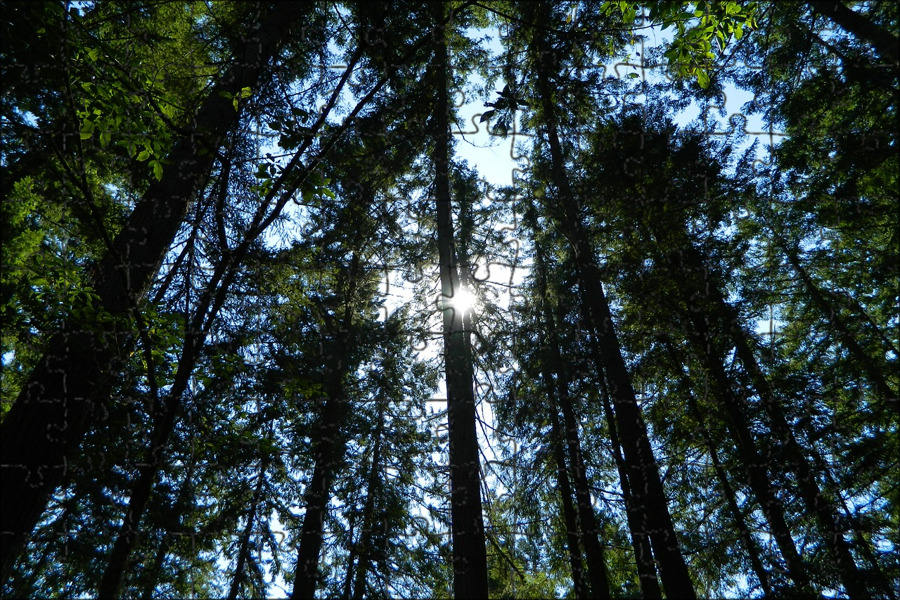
234, 237
469, 558
60, 390
643, 477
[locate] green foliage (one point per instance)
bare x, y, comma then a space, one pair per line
700, 28
264, 310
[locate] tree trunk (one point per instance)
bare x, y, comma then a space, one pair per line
316, 500
640, 541
566, 438
876, 376
329, 445
596, 563
352, 555
643, 473
815, 501
753, 553
244, 544
732, 407
52, 413
737, 515
364, 546
467, 520
860, 27
158, 560
163, 424
875, 573
569, 516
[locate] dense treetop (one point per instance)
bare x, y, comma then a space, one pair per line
678, 378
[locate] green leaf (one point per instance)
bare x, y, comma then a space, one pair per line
87, 129
703, 79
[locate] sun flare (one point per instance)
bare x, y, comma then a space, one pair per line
464, 300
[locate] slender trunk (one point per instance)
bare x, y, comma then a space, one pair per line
640, 541
128, 534
643, 472
158, 560
753, 552
876, 375
244, 544
316, 500
141, 490
596, 563
569, 516
566, 438
373, 486
52, 413
860, 27
817, 504
757, 467
737, 515
163, 424
351, 559
467, 520
812, 495
329, 446
875, 572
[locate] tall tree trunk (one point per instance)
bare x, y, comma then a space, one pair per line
467, 520
885, 43
329, 443
832, 313
756, 467
373, 488
596, 563
52, 413
643, 473
737, 515
163, 425
352, 557
640, 541
316, 500
566, 437
141, 490
156, 568
875, 573
244, 544
565, 493
753, 552
817, 504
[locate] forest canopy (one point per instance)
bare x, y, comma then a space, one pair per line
269, 329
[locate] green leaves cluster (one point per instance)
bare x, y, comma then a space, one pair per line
264, 327
700, 29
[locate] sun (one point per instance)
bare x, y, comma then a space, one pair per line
464, 300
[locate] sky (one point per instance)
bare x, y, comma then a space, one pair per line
496, 162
